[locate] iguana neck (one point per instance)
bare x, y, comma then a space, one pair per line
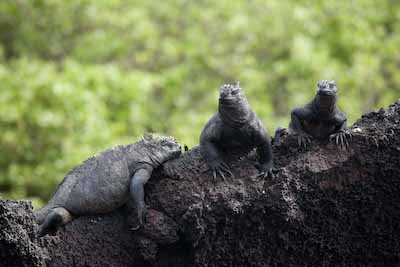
144, 155
235, 112
324, 106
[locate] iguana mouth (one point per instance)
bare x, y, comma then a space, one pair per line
326, 93
229, 98
176, 154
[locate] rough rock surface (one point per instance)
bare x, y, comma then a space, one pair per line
17, 243
327, 206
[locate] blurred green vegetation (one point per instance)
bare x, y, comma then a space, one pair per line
80, 76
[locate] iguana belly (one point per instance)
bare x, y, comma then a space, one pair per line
236, 140
318, 129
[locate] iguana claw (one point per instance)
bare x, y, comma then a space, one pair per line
141, 216
266, 174
303, 140
341, 138
266, 171
221, 169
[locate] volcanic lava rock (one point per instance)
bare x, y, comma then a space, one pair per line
328, 206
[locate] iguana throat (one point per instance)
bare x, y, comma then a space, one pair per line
324, 105
235, 111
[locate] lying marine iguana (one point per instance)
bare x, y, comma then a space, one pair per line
106, 182
235, 125
320, 119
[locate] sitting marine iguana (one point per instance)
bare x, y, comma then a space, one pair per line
106, 182
320, 119
235, 125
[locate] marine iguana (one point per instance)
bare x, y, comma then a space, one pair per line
106, 182
320, 119
235, 125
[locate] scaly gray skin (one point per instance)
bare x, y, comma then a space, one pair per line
106, 182
320, 119
235, 125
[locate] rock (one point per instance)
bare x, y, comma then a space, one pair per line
17, 243
328, 206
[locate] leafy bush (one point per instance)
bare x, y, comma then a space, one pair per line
80, 76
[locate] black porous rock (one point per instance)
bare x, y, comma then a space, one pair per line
327, 206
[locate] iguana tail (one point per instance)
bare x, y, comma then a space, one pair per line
41, 214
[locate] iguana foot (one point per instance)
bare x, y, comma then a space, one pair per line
279, 133
141, 217
134, 228
222, 169
303, 139
266, 170
378, 142
341, 138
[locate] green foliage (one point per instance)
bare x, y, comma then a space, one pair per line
80, 76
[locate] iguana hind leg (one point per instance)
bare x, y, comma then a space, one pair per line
55, 218
41, 214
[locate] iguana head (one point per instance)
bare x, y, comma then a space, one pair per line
326, 88
230, 91
233, 106
161, 148
326, 95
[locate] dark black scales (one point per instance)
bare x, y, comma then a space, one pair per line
235, 126
106, 182
320, 119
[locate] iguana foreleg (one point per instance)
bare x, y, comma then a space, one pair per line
265, 165
297, 116
218, 167
139, 179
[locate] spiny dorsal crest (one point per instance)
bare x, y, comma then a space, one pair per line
151, 138
229, 89
326, 84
